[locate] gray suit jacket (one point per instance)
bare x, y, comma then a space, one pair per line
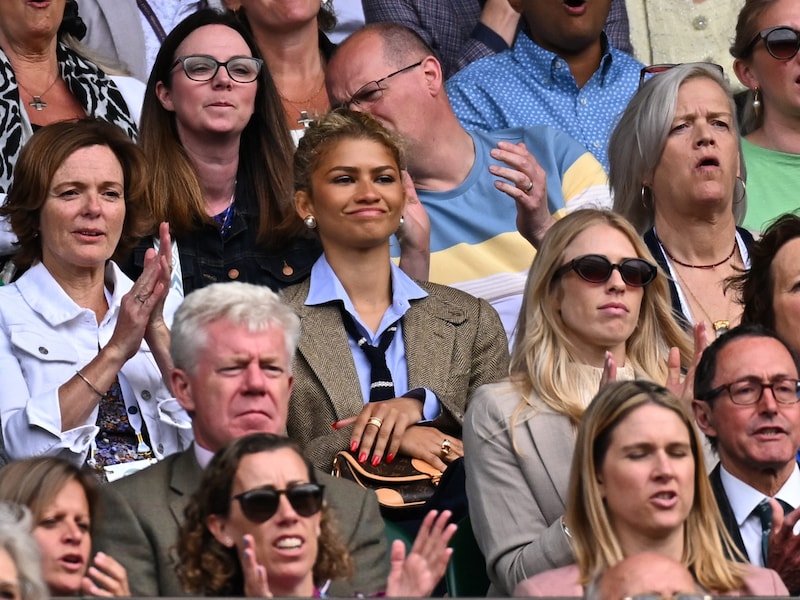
454, 343
517, 496
142, 514
114, 30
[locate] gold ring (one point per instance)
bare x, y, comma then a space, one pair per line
446, 445
375, 421
140, 298
530, 187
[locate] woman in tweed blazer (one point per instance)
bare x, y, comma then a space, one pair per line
349, 189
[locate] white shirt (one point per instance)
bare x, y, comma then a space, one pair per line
744, 499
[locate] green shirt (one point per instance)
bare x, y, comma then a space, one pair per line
773, 184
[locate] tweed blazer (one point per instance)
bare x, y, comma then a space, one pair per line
142, 514
454, 343
563, 583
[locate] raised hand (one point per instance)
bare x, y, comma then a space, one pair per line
415, 575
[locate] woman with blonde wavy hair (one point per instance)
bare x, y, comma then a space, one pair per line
594, 302
638, 484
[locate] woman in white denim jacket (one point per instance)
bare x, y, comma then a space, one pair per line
84, 351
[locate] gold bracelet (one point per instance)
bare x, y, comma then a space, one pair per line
90, 384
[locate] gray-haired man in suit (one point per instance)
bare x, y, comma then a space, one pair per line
232, 345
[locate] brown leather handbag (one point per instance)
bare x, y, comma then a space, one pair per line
405, 483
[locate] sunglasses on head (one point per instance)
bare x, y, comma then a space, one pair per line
646, 73
261, 504
781, 42
596, 268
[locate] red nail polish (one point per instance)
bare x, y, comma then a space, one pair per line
389, 458
362, 457
353, 446
376, 461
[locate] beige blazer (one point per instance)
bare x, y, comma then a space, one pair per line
517, 494
142, 514
454, 343
563, 582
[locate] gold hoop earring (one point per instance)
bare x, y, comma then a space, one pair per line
644, 198
740, 185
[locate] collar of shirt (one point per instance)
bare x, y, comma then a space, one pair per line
325, 287
202, 455
744, 498
548, 66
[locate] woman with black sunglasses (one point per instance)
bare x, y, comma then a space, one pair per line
766, 52
594, 303
258, 525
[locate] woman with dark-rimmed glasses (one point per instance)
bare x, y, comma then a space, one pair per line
767, 63
594, 302
258, 525
220, 152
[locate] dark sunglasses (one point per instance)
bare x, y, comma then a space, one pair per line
647, 72
782, 42
596, 268
261, 504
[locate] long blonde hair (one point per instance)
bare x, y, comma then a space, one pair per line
594, 541
543, 358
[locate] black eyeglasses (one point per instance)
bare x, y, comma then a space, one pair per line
261, 504
201, 67
372, 91
782, 42
596, 268
647, 72
749, 390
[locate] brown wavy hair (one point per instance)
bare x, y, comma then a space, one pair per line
208, 568
38, 162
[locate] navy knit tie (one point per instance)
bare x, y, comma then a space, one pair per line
381, 386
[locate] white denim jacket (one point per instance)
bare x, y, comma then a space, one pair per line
44, 338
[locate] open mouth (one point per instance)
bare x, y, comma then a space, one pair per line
289, 543
574, 3
708, 162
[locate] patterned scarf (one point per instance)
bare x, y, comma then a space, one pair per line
94, 90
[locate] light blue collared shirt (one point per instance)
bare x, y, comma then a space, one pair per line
325, 287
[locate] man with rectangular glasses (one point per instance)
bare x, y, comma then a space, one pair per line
232, 346
746, 394
490, 197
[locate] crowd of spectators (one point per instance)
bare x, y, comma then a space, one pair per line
479, 239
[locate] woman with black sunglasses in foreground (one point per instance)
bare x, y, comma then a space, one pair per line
767, 62
594, 302
258, 525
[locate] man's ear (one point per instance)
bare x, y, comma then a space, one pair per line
703, 415
182, 389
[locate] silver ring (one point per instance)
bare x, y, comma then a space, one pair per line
446, 445
529, 188
375, 421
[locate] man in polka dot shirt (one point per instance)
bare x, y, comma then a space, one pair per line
562, 71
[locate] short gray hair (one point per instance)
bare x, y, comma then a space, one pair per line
16, 538
638, 140
254, 307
